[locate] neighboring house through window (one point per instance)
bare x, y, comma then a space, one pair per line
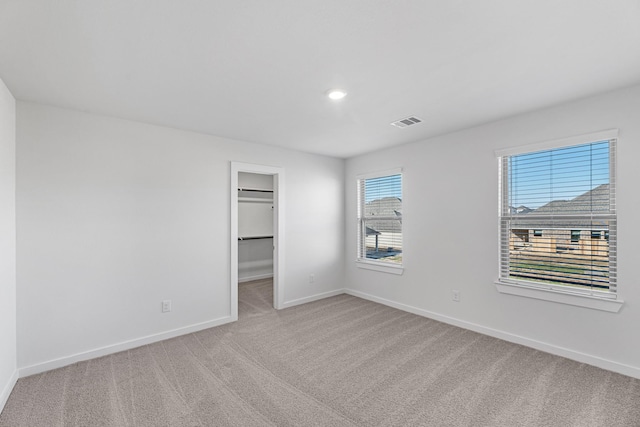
380, 221
568, 190
575, 236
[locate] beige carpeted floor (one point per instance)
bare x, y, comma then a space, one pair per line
342, 361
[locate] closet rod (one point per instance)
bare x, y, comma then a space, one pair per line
257, 190
255, 238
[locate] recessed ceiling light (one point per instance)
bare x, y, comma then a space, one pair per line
336, 94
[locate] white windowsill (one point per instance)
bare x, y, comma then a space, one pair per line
376, 266
588, 301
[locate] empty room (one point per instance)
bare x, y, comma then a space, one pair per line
319, 213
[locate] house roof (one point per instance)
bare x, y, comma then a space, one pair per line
371, 232
385, 207
596, 200
520, 209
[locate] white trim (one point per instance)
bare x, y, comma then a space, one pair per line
115, 348
385, 268
555, 295
556, 143
6, 392
632, 371
256, 277
312, 298
388, 172
278, 231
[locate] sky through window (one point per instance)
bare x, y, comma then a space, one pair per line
536, 179
386, 186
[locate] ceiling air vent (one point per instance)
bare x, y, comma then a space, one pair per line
407, 121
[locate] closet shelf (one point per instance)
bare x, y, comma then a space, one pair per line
254, 200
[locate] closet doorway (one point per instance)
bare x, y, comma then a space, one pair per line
257, 218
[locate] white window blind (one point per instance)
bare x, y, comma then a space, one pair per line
380, 218
558, 218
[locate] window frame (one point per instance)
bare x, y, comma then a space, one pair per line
367, 263
607, 301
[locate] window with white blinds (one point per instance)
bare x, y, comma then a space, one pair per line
558, 218
380, 218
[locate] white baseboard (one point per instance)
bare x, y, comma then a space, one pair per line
312, 298
256, 277
6, 391
115, 348
631, 371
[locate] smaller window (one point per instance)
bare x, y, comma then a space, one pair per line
596, 234
575, 236
606, 234
380, 218
537, 233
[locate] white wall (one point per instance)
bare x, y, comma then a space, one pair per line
8, 372
450, 211
115, 216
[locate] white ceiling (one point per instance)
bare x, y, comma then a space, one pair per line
258, 70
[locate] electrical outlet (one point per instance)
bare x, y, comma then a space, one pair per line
455, 296
166, 306
312, 278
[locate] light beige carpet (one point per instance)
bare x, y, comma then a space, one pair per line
342, 361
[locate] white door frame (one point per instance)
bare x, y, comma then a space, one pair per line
278, 231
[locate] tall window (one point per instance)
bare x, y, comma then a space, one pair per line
380, 218
552, 204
